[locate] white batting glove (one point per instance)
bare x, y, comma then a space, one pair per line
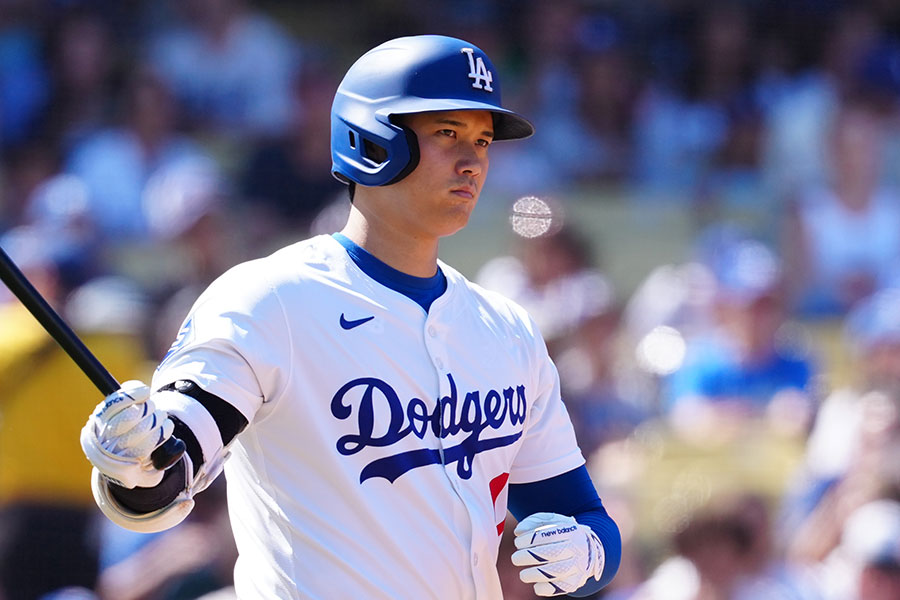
561, 554
123, 431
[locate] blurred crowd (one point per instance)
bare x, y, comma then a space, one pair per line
739, 408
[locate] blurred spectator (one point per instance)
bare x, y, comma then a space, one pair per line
185, 204
796, 127
548, 86
24, 169
595, 397
229, 65
843, 240
116, 163
552, 276
682, 123
59, 211
881, 88
70, 593
83, 65
589, 139
723, 552
23, 77
288, 180
866, 564
680, 296
745, 367
550, 31
195, 239
851, 452
182, 563
48, 538
673, 304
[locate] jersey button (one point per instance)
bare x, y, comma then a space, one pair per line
439, 363
475, 560
432, 331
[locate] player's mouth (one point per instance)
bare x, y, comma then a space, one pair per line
464, 191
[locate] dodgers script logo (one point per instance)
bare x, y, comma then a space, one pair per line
474, 416
478, 71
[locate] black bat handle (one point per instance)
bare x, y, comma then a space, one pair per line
163, 457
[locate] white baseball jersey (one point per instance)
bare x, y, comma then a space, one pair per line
381, 438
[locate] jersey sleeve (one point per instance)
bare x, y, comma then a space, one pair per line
549, 447
234, 343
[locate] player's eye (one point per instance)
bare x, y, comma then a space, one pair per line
483, 142
447, 132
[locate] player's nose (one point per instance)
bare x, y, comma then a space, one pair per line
470, 163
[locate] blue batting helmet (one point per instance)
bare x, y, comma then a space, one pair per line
404, 76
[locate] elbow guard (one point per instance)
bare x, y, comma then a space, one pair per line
151, 522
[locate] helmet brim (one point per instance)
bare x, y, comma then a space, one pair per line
508, 125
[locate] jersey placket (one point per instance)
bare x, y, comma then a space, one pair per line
437, 351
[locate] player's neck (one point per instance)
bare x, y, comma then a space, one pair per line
391, 245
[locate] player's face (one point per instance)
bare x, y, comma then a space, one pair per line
437, 198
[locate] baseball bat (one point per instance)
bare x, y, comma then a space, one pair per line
164, 456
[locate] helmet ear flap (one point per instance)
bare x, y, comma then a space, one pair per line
412, 142
366, 150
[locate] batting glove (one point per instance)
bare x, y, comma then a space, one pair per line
123, 431
561, 555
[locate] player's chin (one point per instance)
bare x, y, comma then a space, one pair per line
455, 219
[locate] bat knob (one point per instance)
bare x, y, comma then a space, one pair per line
168, 454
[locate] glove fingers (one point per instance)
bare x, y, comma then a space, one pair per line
112, 405
547, 572
131, 431
546, 589
145, 437
536, 520
167, 429
134, 446
125, 419
131, 393
545, 553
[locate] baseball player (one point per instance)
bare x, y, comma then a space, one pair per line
378, 412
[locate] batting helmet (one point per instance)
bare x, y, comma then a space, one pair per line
404, 76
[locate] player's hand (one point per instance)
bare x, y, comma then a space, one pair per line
123, 431
559, 553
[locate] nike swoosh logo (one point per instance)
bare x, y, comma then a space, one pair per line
355, 323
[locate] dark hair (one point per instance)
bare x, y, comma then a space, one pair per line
727, 521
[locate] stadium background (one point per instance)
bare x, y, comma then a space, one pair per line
722, 183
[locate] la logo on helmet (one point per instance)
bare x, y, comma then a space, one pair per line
478, 72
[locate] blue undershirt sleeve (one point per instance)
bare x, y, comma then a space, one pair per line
572, 494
